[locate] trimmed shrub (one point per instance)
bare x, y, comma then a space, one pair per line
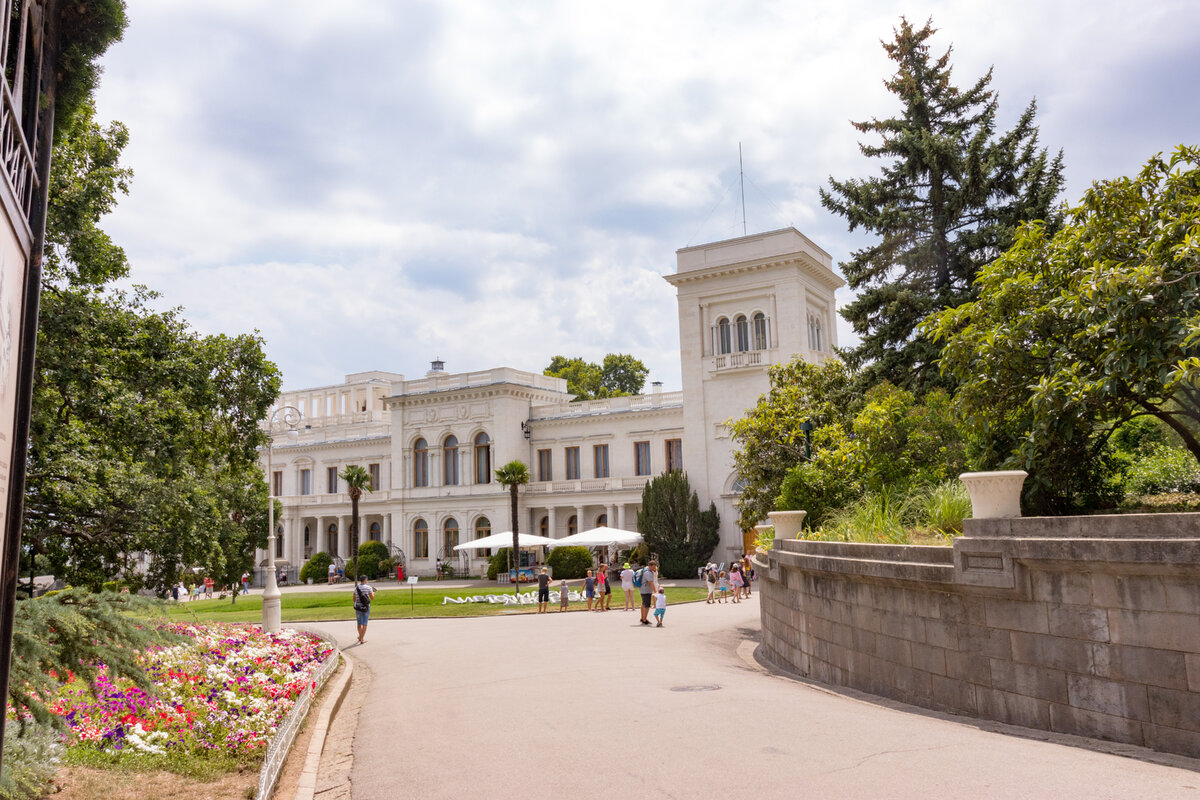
498, 563
569, 562
371, 559
316, 568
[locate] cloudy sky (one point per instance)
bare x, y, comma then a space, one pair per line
372, 184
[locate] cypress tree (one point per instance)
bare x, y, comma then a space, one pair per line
948, 200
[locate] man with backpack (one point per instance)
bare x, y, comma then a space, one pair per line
363, 594
646, 581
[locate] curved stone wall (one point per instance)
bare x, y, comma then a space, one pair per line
1082, 625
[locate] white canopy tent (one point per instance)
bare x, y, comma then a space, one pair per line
598, 537
498, 540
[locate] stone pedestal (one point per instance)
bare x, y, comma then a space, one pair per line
994, 495
787, 523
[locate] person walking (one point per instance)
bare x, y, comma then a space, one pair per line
649, 586
364, 593
607, 596
735, 580
601, 586
245, 583
627, 586
543, 590
564, 595
332, 573
747, 572
710, 581
660, 607
589, 589
437, 569
208, 586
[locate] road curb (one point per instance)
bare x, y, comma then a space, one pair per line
307, 786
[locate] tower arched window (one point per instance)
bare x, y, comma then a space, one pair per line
760, 331
450, 461
483, 458
742, 328
420, 463
723, 336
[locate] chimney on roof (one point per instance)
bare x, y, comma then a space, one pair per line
436, 367
656, 387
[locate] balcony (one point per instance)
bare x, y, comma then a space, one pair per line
749, 358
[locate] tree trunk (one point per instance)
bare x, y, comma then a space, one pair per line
516, 548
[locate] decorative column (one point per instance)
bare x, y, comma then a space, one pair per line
344, 536
609, 516
387, 529
553, 522
621, 517
580, 523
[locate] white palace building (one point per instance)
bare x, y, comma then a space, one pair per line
432, 445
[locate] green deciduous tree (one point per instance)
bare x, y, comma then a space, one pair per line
1077, 331
675, 528
144, 434
949, 198
770, 438
895, 444
618, 376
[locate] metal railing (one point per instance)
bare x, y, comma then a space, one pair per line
285, 734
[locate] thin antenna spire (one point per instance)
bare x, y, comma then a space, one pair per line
742, 180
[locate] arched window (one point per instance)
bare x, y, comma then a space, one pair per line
723, 343
307, 543
602, 521
483, 458
450, 461
743, 333
420, 539
572, 525
332, 535
483, 529
760, 331
544, 527
420, 463
375, 537
279, 542
450, 537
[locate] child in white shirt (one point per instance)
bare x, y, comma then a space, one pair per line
660, 606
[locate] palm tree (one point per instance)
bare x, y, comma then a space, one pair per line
357, 481
512, 475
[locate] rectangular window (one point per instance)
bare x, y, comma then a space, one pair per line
641, 458
674, 454
374, 470
331, 477
421, 544
600, 461
572, 463
276, 484
545, 466
306, 481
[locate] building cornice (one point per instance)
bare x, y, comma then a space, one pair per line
806, 263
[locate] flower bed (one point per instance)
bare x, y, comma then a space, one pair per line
225, 692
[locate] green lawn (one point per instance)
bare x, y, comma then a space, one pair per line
388, 604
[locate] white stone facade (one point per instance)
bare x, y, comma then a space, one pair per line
432, 445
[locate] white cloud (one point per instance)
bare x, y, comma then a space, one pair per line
373, 184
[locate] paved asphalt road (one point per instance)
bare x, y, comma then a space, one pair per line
596, 706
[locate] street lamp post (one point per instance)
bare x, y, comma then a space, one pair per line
272, 616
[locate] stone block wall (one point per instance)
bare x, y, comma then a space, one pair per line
1037, 622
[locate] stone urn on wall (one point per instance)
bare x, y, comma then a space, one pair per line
995, 495
787, 523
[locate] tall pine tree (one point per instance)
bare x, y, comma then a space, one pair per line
948, 200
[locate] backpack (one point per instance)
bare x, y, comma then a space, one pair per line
361, 602
637, 578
